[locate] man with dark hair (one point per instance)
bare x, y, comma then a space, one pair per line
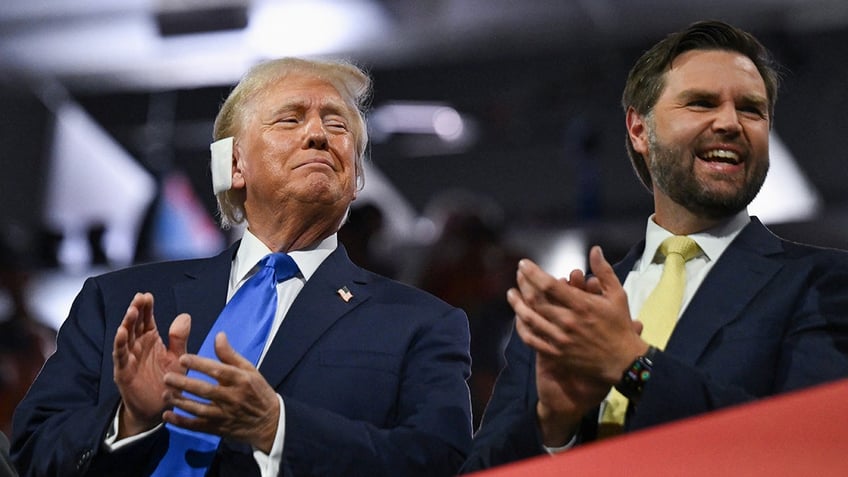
710, 309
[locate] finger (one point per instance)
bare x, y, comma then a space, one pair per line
212, 368
534, 281
593, 285
147, 323
120, 354
130, 320
228, 355
577, 278
178, 420
534, 325
186, 422
140, 304
179, 383
529, 336
198, 406
603, 270
178, 334
638, 326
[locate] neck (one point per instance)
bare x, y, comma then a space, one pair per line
679, 220
288, 234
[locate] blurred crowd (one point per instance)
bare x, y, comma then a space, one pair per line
25, 342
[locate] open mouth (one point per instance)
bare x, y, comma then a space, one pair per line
721, 155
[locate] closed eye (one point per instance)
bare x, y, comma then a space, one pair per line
753, 110
336, 125
700, 104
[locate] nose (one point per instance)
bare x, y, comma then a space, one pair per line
726, 119
316, 135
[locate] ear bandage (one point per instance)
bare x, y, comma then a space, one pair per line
222, 164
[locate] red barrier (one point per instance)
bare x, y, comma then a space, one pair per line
804, 433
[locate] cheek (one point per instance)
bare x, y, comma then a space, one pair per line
761, 141
684, 132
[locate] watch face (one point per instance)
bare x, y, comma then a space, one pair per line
633, 380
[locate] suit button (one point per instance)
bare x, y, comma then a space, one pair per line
83, 459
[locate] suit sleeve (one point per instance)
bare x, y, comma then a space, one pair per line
60, 425
509, 431
6, 469
430, 435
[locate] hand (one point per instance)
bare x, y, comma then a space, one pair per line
587, 330
564, 398
241, 406
140, 361
580, 330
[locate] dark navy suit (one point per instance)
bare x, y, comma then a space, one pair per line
770, 317
373, 386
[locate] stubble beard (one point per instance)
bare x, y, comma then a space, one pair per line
676, 178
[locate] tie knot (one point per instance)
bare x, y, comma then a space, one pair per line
681, 245
283, 265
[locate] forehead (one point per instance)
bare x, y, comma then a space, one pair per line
300, 90
716, 71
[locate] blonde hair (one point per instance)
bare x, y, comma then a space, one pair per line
352, 83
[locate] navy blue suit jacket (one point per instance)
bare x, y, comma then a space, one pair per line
770, 317
373, 386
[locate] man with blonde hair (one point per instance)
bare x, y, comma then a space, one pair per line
352, 373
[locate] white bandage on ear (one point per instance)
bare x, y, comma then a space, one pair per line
222, 164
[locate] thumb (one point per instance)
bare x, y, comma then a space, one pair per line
178, 334
602, 269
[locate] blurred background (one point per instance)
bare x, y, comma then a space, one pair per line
496, 134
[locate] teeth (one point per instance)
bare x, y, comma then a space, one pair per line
721, 154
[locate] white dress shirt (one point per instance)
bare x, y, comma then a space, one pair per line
642, 280
250, 252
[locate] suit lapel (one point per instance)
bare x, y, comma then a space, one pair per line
318, 306
203, 294
623, 268
742, 270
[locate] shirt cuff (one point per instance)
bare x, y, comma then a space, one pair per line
557, 450
111, 443
269, 464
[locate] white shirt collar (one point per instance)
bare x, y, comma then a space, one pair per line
252, 250
713, 241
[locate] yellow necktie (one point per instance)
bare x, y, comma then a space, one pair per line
658, 315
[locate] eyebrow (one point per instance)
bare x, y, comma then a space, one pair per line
331, 106
750, 99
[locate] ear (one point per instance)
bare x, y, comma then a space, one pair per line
637, 129
236, 168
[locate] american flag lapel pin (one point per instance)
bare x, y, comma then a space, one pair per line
345, 294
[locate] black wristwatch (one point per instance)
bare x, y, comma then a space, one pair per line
634, 378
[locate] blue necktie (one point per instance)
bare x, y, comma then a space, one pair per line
246, 320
